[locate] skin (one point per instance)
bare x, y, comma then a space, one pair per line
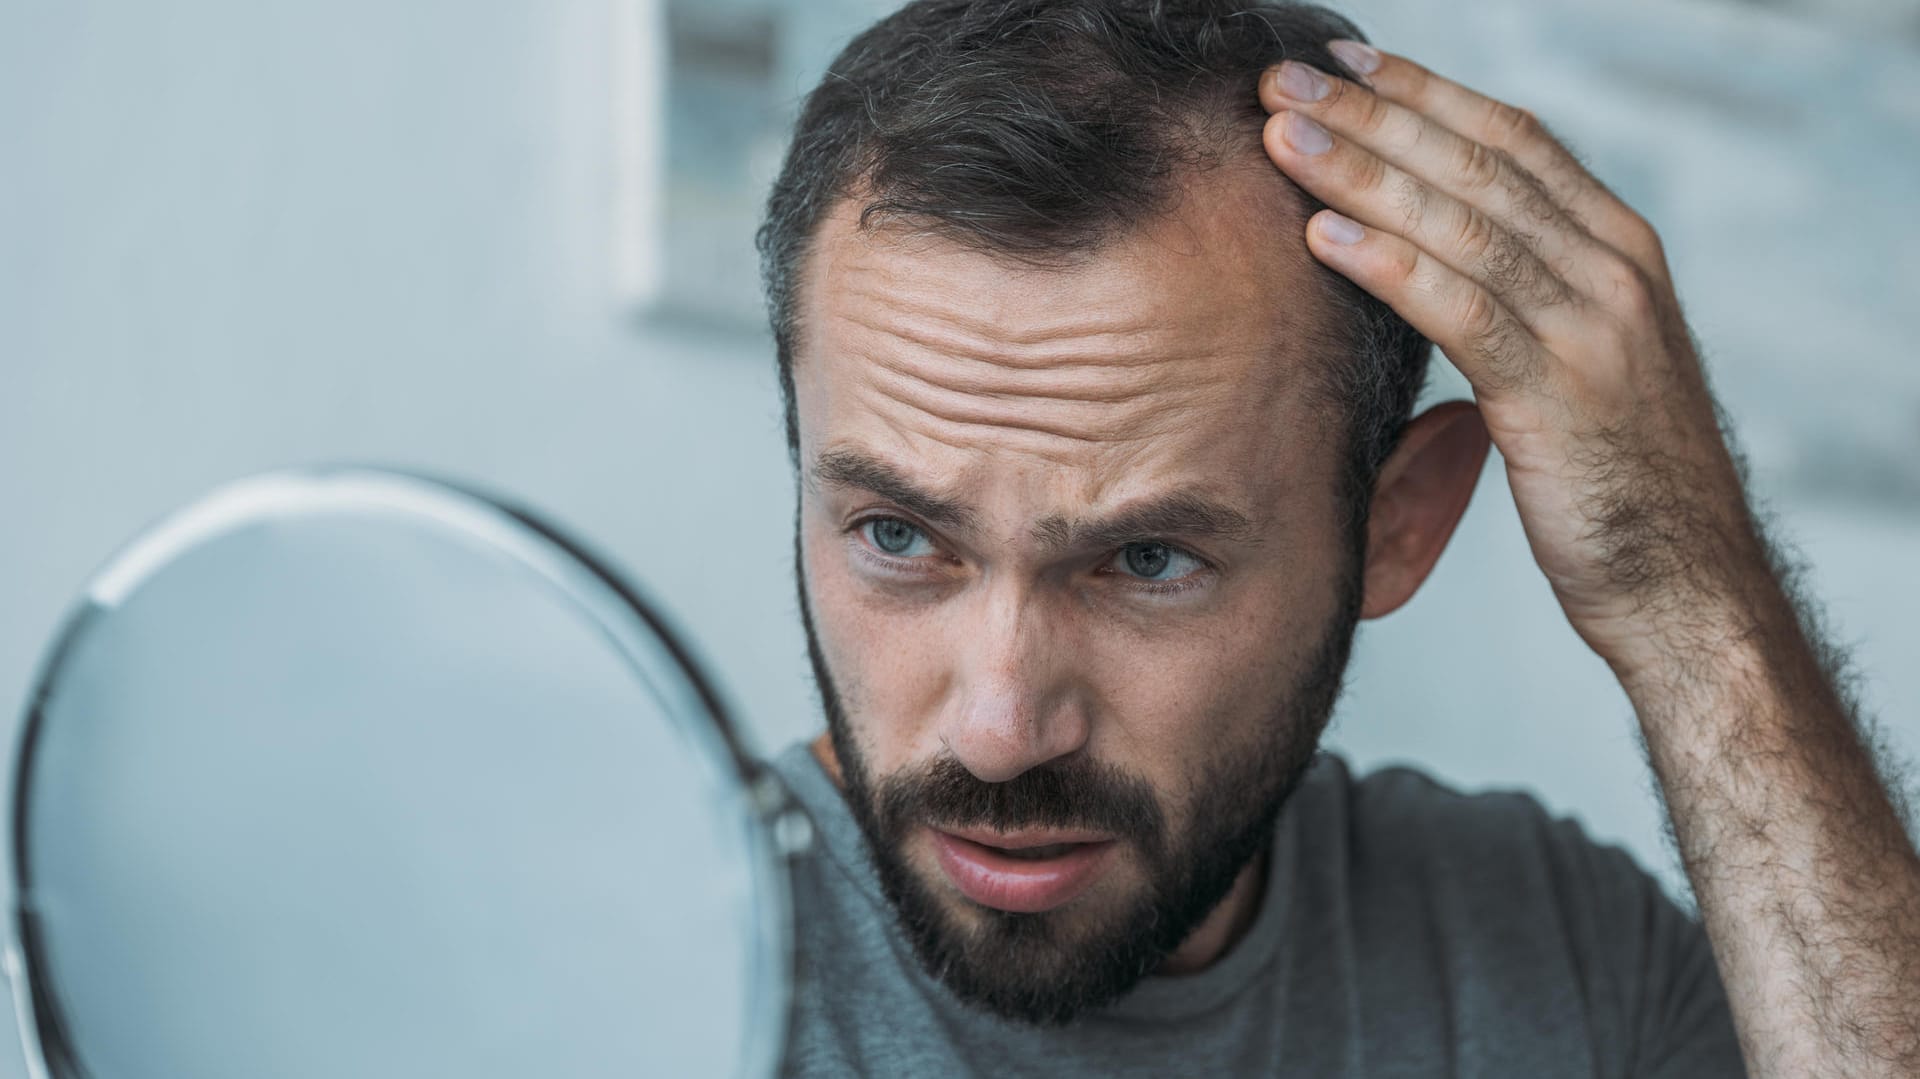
1555, 300
1177, 361
1026, 396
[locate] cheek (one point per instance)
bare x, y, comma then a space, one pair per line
888, 661
1178, 700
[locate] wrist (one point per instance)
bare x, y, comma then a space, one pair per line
1711, 657
1725, 655
1699, 641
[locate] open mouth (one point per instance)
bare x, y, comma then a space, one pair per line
1023, 879
1035, 854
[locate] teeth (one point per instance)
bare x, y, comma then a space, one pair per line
1037, 853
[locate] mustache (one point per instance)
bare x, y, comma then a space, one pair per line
1071, 793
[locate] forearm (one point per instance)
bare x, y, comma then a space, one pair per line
1805, 876
1555, 300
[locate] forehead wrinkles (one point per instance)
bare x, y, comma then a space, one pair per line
1174, 328
1082, 376
1110, 385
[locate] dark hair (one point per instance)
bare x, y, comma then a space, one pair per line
1041, 129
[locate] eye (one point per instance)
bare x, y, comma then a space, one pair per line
1157, 561
891, 535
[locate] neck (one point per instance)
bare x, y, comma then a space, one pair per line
1216, 936
1211, 940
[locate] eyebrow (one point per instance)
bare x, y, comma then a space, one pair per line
1186, 514
853, 469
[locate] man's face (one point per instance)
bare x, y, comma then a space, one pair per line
1074, 579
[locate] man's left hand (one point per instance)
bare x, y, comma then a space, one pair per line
1553, 298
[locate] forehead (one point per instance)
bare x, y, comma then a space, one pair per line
1182, 352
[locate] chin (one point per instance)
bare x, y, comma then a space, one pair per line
1045, 968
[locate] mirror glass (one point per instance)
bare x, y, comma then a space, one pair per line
353, 773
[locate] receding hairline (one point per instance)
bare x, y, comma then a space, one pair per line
1272, 200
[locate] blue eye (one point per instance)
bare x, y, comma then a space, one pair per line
893, 536
1157, 561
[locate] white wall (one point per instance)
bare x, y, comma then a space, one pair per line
236, 236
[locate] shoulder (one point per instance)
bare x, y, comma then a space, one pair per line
1397, 820
1490, 897
1398, 795
1493, 874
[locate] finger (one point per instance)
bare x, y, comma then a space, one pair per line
1482, 176
1520, 133
1481, 335
1365, 187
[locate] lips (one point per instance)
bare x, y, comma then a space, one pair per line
1023, 873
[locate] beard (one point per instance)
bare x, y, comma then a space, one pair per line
1048, 967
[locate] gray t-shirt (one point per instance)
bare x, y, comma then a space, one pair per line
1406, 929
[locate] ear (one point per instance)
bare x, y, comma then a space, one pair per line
1419, 496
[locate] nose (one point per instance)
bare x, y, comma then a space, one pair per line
1013, 705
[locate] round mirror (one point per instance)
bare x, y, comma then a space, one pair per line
352, 773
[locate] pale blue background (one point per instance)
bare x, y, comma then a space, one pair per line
237, 235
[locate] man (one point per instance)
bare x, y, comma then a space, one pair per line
1099, 329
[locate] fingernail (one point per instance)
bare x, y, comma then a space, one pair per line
1339, 228
1306, 136
1364, 59
1300, 82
